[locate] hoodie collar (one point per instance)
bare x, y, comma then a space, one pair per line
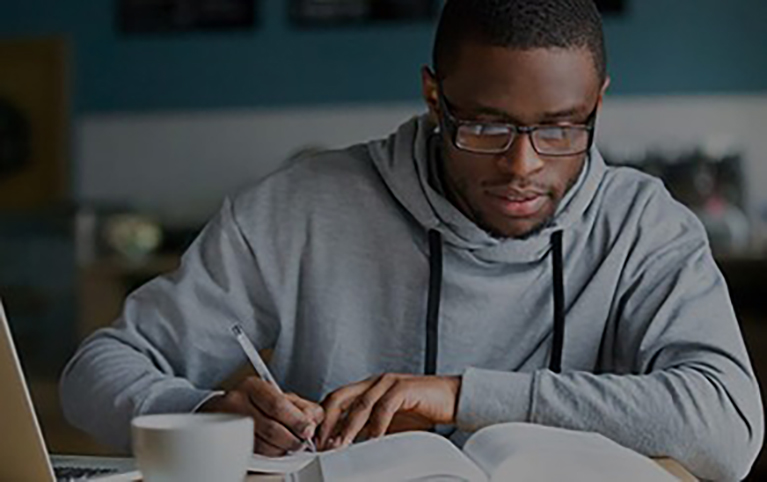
403, 160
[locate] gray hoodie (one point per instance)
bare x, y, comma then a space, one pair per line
328, 262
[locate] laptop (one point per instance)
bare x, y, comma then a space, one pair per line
23, 453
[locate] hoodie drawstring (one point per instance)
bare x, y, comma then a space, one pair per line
435, 293
555, 365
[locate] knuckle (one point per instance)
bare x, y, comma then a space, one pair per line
271, 405
365, 403
376, 424
236, 398
390, 378
334, 399
251, 384
388, 408
383, 409
268, 430
399, 388
318, 414
391, 404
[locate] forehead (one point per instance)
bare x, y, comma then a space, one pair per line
522, 82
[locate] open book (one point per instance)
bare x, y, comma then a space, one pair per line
505, 452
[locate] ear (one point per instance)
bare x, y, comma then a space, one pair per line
603, 91
429, 90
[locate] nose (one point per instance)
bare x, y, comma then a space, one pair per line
520, 160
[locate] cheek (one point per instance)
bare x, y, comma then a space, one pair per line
466, 170
564, 175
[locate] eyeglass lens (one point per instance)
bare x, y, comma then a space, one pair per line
490, 138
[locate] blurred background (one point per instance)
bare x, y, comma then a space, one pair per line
124, 123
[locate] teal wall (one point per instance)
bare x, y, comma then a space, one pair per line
658, 47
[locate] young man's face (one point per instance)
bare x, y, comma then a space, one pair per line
514, 193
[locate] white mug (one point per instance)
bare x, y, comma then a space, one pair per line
195, 447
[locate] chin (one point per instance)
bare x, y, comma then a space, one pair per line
520, 229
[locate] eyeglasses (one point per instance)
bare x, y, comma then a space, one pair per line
497, 138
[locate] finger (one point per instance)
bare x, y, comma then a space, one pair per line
237, 401
359, 412
363, 434
312, 410
276, 406
335, 405
263, 447
387, 407
276, 434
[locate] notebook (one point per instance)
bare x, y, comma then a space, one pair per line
514, 451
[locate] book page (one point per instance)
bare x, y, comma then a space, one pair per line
280, 465
518, 451
412, 456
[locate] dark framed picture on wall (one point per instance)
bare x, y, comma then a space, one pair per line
611, 7
333, 12
157, 16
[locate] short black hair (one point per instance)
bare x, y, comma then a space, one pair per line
519, 24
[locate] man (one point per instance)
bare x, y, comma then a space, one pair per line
481, 265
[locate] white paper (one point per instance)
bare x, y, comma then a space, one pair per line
533, 453
258, 464
280, 465
412, 456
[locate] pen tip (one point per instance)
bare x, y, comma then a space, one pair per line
236, 329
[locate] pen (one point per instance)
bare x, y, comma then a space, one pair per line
261, 368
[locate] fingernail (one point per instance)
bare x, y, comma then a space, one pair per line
308, 431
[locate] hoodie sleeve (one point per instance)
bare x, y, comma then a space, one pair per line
681, 384
172, 345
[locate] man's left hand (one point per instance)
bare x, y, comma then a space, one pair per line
373, 406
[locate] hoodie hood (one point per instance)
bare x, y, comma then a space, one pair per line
403, 162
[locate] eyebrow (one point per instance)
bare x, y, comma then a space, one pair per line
563, 114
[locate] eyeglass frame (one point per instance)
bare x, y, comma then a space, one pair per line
451, 124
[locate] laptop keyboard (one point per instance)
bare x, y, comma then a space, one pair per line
66, 474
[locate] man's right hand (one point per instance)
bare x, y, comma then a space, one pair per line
282, 421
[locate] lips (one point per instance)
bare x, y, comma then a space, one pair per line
517, 204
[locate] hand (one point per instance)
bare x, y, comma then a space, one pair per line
282, 421
377, 405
